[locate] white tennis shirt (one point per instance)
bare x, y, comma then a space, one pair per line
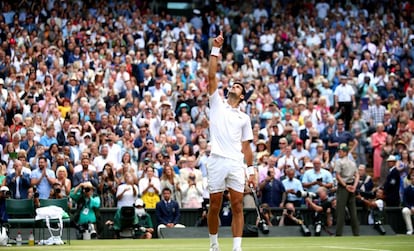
228, 128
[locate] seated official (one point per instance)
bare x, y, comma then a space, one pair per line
168, 212
408, 205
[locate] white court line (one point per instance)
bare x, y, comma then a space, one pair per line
349, 248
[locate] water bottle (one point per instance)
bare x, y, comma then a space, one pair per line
19, 239
31, 239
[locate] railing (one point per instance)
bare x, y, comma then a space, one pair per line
189, 217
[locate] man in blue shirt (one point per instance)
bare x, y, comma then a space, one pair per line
48, 139
317, 177
292, 185
43, 178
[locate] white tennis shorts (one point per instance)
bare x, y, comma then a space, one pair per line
225, 173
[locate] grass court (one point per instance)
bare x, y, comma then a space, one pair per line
367, 243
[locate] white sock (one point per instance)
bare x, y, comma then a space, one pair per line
213, 239
237, 241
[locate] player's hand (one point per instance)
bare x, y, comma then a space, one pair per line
219, 40
252, 181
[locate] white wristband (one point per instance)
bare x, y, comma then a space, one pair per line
215, 51
250, 170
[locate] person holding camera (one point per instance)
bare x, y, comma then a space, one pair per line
144, 222
267, 215
316, 177
347, 176
56, 192
87, 205
322, 208
292, 186
375, 203
365, 183
273, 191
289, 216
192, 192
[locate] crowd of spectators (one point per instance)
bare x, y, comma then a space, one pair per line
114, 93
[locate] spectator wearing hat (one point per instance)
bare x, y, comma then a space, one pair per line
392, 183
4, 195
72, 88
347, 176
144, 221
196, 21
88, 205
300, 153
261, 150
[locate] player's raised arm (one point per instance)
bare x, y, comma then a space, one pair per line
212, 67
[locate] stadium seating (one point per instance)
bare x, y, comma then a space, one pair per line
21, 213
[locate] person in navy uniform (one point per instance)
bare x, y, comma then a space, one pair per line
167, 212
392, 184
408, 205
